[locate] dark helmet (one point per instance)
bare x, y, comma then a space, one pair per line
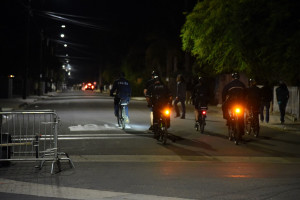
235, 75
122, 74
154, 73
200, 79
156, 78
252, 81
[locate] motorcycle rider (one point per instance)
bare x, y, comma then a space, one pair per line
147, 85
123, 92
158, 96
200, 97
233, 92
253, 97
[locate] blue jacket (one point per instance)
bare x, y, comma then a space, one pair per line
122, 88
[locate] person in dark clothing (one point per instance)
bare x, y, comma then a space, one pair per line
123, 92
149, 83
180, 96
266, 99
158, 96
282, 96
200, 96
253, 100
233, 91
253, 96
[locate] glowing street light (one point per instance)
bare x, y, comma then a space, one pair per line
65, 45
62, 35
63, 26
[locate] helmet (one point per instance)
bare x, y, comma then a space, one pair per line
156, 78
252, 81
200, 79
122, 74
154, 73
235, 75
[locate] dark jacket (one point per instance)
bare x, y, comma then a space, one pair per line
200, 95
253, 97
266, 93
181, 90
159, 94
235, 87
122, 88
282, 94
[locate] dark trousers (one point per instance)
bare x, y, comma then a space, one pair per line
182, 101
116, 107
282, 107
261, 110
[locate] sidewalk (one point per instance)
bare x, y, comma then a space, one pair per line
18, 103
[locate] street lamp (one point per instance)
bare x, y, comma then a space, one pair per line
65, 45
63, 26
62, 35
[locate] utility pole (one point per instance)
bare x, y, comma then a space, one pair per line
40, 85
25, 75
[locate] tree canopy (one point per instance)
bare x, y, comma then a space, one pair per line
259, 37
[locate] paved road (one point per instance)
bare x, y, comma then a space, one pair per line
115, 164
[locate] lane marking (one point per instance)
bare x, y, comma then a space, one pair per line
54, 191
92, 127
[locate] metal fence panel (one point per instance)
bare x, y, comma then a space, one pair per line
30, 136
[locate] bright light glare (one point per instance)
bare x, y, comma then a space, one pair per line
62, 35
63, 26
237, 110
64, 66
167, 112
65, 45
203, 112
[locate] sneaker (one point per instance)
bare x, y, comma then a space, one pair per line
127, 120
182, 117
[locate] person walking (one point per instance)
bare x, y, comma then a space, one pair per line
282, 95
266, 99
180, 96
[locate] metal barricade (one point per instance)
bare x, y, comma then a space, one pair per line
31, 136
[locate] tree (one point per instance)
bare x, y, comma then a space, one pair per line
258, 37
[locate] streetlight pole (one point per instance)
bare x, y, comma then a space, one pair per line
25, 76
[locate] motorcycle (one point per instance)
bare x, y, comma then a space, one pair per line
236, 123
200, 124
163, 123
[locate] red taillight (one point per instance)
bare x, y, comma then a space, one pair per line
203, 112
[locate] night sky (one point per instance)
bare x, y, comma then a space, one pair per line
97, 31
